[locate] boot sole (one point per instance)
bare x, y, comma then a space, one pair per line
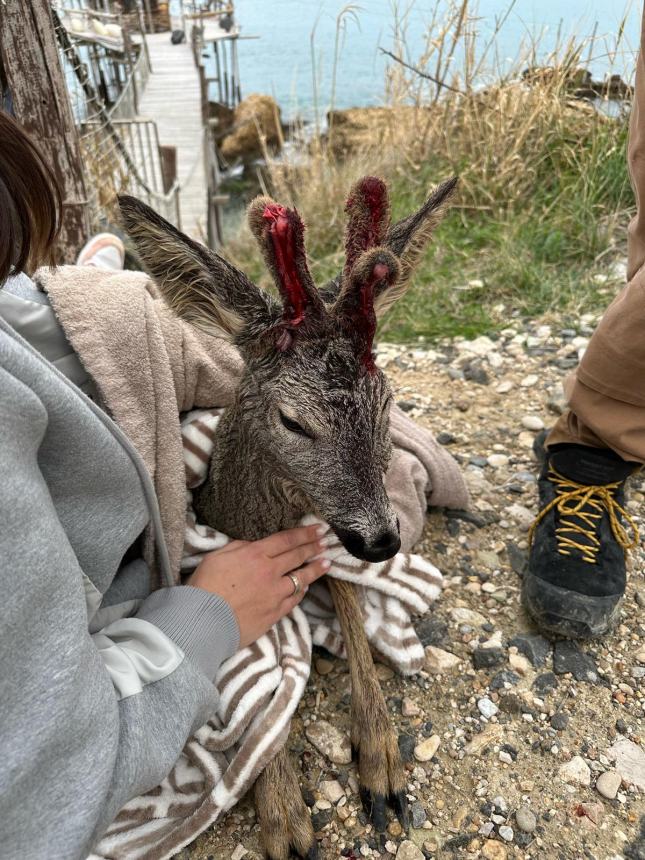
568, 613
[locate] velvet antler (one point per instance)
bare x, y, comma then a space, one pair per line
369, 268
280, 234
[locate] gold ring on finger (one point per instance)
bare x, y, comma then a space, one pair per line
296, 583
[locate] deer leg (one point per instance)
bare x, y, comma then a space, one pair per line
380, 769
284, 819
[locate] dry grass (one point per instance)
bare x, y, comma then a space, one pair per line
544, 189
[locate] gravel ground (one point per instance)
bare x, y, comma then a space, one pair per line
530, 748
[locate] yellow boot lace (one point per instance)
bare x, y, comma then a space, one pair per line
585, 503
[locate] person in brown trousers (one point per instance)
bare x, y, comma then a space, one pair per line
578, 544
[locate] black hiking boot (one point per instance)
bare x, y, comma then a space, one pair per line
578, 542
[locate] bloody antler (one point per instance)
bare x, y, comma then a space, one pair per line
369, 268
280, 233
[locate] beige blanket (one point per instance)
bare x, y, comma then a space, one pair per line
149, 367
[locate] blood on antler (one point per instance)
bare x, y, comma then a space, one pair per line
369, 267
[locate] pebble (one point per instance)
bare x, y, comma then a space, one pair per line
529, 381
520, 663
535, 647
493, 850
506, 833
463, 615
332, 790
427, 748
330, 741
486, 658
323, 666
526, 820
480, 346
575, 771
559, 721
497, 461
418, 814
409, 851
505, 386
567, 657
630, 761
640, 655
521, 515
409, 708
238, 852
608, 784
532, 422
439, 661
487, 708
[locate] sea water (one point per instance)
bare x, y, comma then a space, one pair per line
298, 35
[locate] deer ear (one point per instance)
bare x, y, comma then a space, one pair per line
408, 239
199, 285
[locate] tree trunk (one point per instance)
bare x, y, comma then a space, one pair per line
31, 70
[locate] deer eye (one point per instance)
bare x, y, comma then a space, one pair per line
293, 426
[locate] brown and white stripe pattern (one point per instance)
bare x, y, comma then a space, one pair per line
261, 686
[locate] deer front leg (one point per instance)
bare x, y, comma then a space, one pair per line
380, 769
284, 819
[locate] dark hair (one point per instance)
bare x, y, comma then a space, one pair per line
30, 202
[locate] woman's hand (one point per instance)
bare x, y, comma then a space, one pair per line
253, 576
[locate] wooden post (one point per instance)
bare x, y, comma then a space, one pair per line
32, 72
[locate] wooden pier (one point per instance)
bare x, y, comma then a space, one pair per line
172, 98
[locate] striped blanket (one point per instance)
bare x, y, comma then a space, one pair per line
260, 686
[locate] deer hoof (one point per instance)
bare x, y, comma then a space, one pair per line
381, 776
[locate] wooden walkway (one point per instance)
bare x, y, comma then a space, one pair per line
172, 99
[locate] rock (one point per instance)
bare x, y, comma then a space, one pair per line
238, 852
497, 461
505, 386
480, 346
520, 663
532, 422
567, 657
560, 721
474, 372
502, 678
409, 851
493, 850
526, 820
517, 557
506, 833
332, 790
431, 631
407, 744
487, 708
529, 381
545, 683
630, 761
575, 771
321, 819
640, 655
383, 672
330, 741
323, 666
462, 615
439, 661
608, 784
488, 558
521, 515
485, 658
427, 748
491, 734
417, 813
409, 708
533, 646
445, 438
254, 116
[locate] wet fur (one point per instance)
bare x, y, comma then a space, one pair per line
264, 477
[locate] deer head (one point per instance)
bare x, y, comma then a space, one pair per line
312, 401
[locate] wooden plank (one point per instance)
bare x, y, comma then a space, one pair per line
172, 98
33, 74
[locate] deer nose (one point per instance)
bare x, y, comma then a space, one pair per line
384, 546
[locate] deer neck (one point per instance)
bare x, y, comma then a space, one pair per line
242, 495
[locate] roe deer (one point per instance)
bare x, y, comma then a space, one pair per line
308, 432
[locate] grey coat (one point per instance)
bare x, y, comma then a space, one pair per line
102, 682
